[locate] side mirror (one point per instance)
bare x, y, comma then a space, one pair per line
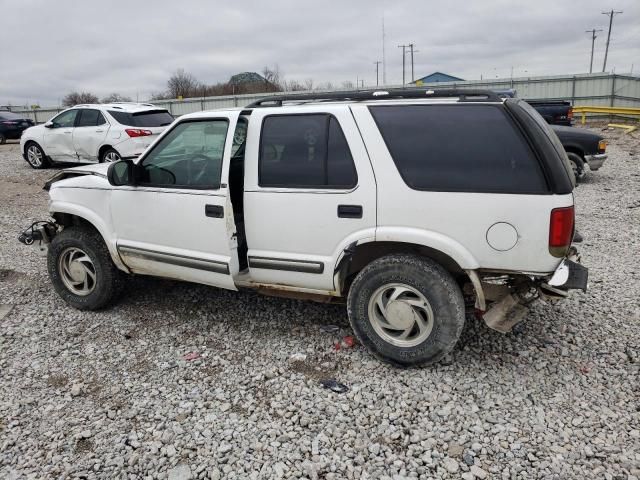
121, 173
49, 124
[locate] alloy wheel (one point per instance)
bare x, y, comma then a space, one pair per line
111, 157
35, 156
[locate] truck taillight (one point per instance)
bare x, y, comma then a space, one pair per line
561, 230
602, 146
570, 113
138, 132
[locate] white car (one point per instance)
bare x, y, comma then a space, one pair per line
94, 133
410, 206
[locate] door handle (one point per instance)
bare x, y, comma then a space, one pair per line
99, 131
67, 131
214, 211
350, 211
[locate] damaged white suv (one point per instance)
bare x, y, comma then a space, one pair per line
410, 205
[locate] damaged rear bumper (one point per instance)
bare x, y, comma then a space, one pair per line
511, 300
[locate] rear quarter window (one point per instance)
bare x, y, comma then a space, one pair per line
459, 148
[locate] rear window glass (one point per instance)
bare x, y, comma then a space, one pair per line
458, 148
10, 116
151, 118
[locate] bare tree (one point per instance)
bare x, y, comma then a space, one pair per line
308, 84
115, 97
272, 75
348, 85
182, 84
76, 98
325, 86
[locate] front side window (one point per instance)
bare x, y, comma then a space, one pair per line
65, 119
90, 118
305, 151
189, 156
459, 148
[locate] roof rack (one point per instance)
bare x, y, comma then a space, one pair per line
382, 94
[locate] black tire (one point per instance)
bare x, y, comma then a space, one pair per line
424, 276
35, 156
108, 280
3, 139
577, 165
108, 154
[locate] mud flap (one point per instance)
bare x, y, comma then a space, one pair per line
505, 314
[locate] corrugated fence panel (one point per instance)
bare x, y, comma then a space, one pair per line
584, 89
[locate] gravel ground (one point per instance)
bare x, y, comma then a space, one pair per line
110, 395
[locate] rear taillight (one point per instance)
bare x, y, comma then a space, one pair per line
138, 132
570, 113
602, 146
561, 230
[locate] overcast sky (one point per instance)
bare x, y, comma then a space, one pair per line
132, 47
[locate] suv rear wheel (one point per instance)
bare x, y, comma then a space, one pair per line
110, 155
81, 269
407, 310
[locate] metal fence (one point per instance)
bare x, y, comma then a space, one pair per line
598, 89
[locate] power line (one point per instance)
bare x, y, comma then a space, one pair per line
404, 54
610, 14
377, 63
593, 41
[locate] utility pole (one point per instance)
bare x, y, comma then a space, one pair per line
413, 78
593, 41
404, 54
610, 14
377, 63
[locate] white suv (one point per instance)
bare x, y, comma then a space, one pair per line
412, 206
94, 133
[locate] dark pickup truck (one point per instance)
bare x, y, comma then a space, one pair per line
555, 112
582, 147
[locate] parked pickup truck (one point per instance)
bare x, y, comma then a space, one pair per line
409, 205
555, 112
584, 148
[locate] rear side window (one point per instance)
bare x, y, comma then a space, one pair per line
151, 118
459, 148
305, 151
90, 118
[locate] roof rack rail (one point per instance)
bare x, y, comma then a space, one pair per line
380, 94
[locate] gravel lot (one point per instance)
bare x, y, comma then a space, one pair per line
110, 395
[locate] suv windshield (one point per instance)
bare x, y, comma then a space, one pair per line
149, 118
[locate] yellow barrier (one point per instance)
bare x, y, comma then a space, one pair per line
605, 110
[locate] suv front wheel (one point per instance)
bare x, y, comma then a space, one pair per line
81, 269
407, 310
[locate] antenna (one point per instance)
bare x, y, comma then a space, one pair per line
384, 61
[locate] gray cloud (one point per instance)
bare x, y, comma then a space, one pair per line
132, 47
